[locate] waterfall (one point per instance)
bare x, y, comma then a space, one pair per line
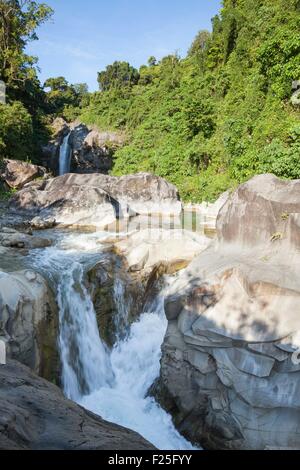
111, 383
85, 359
65, 156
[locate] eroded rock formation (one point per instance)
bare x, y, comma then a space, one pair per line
96, 200
29, 321
230, 370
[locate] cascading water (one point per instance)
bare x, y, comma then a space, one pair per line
85, 359
112, 384
65, 156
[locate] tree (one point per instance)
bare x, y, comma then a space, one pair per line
63, 95
81, 89
57, 84
199, 44
118, 75
16, 131
152, 61
18, 23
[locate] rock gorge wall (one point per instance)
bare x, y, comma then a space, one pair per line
91, 150
229, 370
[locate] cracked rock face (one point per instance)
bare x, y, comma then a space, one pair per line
230, 373
34, 415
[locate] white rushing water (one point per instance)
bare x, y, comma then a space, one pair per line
111, 383
65, 156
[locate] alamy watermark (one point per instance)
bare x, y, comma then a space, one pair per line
2, 92
2, 352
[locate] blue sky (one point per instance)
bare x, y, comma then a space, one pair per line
85, 36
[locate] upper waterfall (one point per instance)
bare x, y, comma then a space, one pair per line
65, 156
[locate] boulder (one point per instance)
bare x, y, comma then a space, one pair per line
34, 415
42, 224
11, 238
92, 150
230, 366
16, 174
147, 248
259, 211
59, 128
29, 321
97, 200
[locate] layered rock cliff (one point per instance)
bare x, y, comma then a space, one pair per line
230, 370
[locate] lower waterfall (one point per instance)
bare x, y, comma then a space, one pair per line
111, 383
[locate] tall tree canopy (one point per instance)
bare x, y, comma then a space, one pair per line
118, 75
21, 123
19, 21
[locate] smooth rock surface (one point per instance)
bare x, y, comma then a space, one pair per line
229, 374
10, 238
145, 249
34, 415
29, 321
96, 200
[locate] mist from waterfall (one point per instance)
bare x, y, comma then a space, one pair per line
65, 156
111, 383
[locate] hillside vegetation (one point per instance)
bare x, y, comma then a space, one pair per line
205, 122
218, 116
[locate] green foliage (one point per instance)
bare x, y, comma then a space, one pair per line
118, 75
19, 21
64, 99
16, 132
209, 121
22, 121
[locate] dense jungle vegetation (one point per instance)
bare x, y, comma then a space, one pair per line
206, 122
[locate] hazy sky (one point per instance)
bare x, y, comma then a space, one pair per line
85, 36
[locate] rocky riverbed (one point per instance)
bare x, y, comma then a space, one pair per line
206, 325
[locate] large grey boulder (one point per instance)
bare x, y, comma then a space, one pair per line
97, 200
147, 248
258, 211
15, 173
34, 415
29, 321
92, 150
11, 238
230, 367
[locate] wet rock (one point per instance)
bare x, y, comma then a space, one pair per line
10, 238
146, 249
38, 223
117, 296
